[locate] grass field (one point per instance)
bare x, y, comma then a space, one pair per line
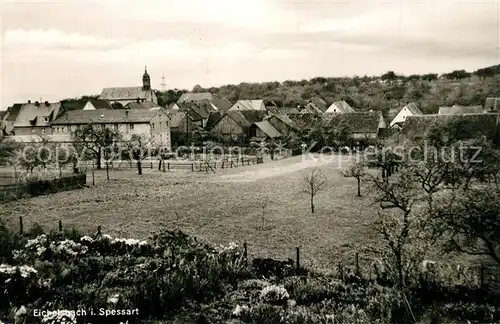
231, 205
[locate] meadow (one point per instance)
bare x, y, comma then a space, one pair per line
261, 204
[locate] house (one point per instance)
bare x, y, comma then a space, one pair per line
152, 124
283, 124
93, 104
142, 105
410, 109
195, 96
121, 96
221, 104
492, 104
263, 130
319, 103
235, 124
198, 111
472, 125
311, 108
460, 110
256, 105
29, 120
340, 107
361, 125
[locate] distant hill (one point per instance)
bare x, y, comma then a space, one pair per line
383, 92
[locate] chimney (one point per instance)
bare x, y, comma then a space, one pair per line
29, 101
126, 113
46, 103
37, 103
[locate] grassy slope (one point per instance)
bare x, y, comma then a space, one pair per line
213, 208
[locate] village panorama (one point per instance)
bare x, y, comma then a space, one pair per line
363, 199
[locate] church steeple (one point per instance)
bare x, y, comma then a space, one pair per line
146, 80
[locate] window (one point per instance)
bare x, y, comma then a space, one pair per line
32, 130
43, 130
152, 126
131, 126
103, 126
116, 127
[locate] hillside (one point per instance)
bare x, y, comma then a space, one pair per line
429, 91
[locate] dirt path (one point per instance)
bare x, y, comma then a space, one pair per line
278, 168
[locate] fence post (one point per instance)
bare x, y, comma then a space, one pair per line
21, 225
107, 170
192, 167
357, 265
60, 226
151, 165
245, 253
163, 166
168, 166
298, 259
93, 178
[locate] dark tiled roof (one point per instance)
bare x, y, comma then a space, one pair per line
124, 93
492, 104
320, 103
471, 124
213, 119
305, 121
245, 118
268, 129
200, 109
286, 120
459, 110
106, 116
100, 104
141, 105
14, 111
358, 122
191, 96
413, 108
221, 103
313, 109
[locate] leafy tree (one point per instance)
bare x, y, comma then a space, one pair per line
93, 140
356, 170
138, 148
430, 77
389, 76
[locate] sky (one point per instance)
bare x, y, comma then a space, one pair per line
59, 49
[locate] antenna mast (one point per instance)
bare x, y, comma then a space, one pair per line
163, 84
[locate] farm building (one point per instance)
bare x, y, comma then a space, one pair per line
340, 107
263, 131
236, 124
361, 125
460, 110
120, 96
198, 111
180, 123
410, 109
471, 125
241, 105
492, 104
283, 124
151, 124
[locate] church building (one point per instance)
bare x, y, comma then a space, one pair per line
123, 95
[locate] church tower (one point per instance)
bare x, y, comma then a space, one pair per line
146, 80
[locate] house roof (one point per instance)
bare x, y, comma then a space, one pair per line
197, 109
192, 96
285, 120
221, 103
249, 105
473, 124
100, 104
141, 105
459, 110
413, 108
492, 104
319, 103
105, 116
358, 122
14, 111
36, 115
268, 129
245, 118
124, 93
213, 119
305, 121
312, 109
339, 107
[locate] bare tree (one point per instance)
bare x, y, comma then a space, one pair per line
314, 182
356, 170
137, 149
94, 140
